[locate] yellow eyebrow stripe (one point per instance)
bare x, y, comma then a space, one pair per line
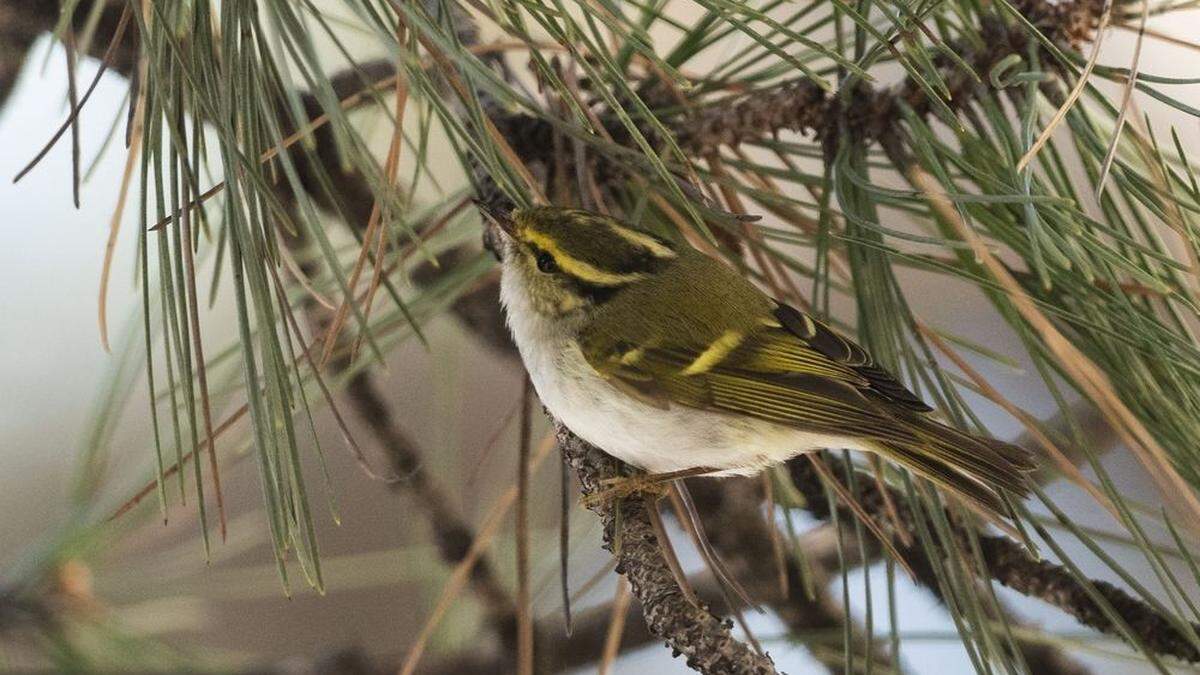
575, 267
656, 248
716, 351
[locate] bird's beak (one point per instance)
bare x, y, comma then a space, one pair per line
500, 219
499, 230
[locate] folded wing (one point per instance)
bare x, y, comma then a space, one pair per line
793, 370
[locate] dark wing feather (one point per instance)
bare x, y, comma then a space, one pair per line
837, 348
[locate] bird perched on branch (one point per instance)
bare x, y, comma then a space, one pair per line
672, 362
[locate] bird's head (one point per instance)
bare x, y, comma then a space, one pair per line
568, 260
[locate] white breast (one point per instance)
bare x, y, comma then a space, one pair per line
635, 432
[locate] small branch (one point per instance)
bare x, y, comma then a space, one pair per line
525, 650
692, 630
1007, 562
869, 114
706, 641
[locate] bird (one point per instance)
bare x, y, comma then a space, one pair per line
673, 362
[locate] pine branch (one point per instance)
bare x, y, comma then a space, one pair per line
801, 105
1007, 562
693, 631
869, 115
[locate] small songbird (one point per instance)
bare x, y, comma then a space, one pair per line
670, 360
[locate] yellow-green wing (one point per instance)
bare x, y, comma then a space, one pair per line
766, 371
792, 370
788, 368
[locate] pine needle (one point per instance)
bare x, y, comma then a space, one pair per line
616, 625
1126, 98
685, 511
524, 600
360, 457
593, 581
689, 517
889, 502
776, 537
391, 166
462, 571
193, 309
1080, 84
1064, 463
564, 544
668, 549
73, 97
860, 513
1159, 35
141, 494
118, 34
114, 223
1094, 383
347, 103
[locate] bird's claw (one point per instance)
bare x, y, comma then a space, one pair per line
620, 487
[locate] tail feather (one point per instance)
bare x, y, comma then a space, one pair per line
976, 468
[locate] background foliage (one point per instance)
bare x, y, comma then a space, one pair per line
982, 144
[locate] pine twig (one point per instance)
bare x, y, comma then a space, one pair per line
870, 114
689, 629
1007, 562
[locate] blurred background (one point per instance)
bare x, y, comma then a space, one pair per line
456, 399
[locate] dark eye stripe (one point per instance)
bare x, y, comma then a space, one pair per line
598, 295
643, 261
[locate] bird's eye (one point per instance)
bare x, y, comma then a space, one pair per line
545, 263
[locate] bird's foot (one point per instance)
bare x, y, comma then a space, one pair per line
652, 485
643, 484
